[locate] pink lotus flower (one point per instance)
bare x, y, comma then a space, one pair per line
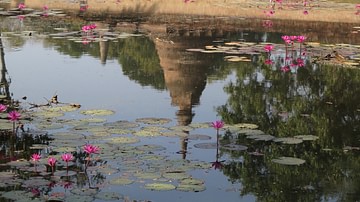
14, 116
21, 6
268, 48
286, 39
52, 161
217, 165
91, 149
21, 17
268, 62
2, 108
292, 38
92, 26
301, 39
35, 157
300, 62
285, 69
85, 28
305, 12
45, 7
217, 124
67, 157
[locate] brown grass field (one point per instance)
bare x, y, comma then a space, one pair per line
319, 10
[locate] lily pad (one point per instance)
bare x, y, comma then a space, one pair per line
199, 137
209, 145
159, 186
288, 161
288, 140
307, 137
153, 121
122, 124
122, 140
191, 187
234, 147
109, 196
147, 175
97, 112
121, 181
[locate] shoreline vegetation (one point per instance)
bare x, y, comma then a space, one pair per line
322, 11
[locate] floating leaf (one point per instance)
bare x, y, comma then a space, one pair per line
234, 147
159, 186
97, 112
122, 124
153, 120
199, 137
147, 175
288, 140
307, 137
191, 187
288, 161
261, 137
177, 175
150, 147
210, 145
109, 196
121, 181
122, 140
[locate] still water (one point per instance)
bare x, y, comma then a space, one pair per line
142, 76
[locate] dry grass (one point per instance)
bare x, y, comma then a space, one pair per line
324, 11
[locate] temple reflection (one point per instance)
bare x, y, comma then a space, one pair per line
4, 79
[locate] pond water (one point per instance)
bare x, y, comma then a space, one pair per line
290, 134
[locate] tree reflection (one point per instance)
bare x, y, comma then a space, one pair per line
317, 100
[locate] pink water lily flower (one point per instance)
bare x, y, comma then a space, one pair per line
2, 108
14, 116
45, 7
52, 161
269, 62
268, 47
21, 6
91, 149
301, 39
217, 124
67, 157
35, 157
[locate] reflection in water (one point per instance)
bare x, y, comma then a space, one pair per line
4, 81
319, 100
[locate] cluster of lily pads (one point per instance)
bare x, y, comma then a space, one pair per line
121, 157
290, 55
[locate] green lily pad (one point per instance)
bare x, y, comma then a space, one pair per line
93, 120
181, 128
109, 196
234, 147
64, 108
200, 125
48, 114
288, 161
159, 186
147, 175
260, 137
17, 195
122, 140
122, 124
78, 198
49, 126
97, 112
174, 134
67, 136
153, 121
146, 133
84, 191
199, 137
120, 131
121, 181
19, 163
150, 147
288, 140
191, 187
210, 145
5, 125
307, 137
176, 175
